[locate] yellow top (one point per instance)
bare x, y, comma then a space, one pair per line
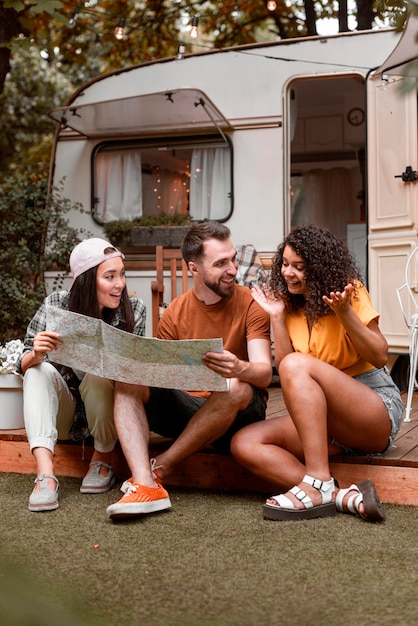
328, 340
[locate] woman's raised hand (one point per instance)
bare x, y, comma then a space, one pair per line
339, 301
269, 302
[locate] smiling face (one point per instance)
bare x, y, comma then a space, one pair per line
293, 271
215, 273
110, 282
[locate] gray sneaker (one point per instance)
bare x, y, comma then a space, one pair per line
45, 499
94, 483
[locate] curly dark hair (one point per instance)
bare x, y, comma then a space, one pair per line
329, 266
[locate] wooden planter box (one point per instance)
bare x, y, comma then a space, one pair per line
166, 236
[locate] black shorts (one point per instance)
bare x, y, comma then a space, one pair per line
169, 411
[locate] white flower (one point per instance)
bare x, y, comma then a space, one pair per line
9, 356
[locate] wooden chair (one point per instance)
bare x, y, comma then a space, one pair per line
167, 259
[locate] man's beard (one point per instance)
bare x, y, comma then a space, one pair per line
219, 291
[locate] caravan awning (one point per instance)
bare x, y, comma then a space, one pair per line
171, 111
403, 61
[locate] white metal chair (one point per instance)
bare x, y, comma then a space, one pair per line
407, 296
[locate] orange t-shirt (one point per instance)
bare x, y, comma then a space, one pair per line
328, 340
236, 320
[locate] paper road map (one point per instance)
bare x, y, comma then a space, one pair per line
92, 346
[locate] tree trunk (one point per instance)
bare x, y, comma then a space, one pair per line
364, 14
342, 17
310, 17
8, 29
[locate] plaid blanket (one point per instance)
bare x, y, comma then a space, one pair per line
250, 267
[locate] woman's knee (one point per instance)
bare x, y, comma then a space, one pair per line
237, 441
242, 443
293, 365
42, 383
44, 373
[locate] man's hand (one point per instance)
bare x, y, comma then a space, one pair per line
224, 363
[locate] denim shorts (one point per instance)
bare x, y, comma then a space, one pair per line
381, 382
169, 411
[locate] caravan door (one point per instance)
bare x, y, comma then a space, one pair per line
327, 140
392, 181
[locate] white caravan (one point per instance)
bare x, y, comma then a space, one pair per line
262, 137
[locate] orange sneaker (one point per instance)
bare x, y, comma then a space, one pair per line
153, 462
154, 467
139, 500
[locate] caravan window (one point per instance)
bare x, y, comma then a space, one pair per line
179, 177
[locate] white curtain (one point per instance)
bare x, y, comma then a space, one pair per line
325, 198
118, 185
210, 183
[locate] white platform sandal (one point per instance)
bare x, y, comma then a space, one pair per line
365, 493
286, 510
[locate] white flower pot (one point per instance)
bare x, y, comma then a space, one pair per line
11, 402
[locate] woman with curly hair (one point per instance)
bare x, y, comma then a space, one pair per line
330, 355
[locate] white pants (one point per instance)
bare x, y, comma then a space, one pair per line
48, 408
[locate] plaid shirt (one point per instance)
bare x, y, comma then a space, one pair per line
79, 429
250, 268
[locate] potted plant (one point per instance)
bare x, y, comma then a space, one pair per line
11, 386
149, 230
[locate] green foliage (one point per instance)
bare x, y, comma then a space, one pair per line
120, 230
44, 6
35, 236
32, 88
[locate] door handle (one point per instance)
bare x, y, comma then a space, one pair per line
409, 175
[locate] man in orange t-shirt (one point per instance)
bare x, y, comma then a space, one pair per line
214, 307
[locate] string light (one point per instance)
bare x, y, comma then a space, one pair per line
73, 19
88, 7
180, 52
193, 30
120, 29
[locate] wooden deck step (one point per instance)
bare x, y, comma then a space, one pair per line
395, 474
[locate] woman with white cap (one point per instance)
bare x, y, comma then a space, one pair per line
61, 403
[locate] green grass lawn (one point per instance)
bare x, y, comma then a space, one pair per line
211, 560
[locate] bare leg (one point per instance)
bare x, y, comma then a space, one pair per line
209, 423
320, 402
44, 465
102, 457
133, 431
272, 450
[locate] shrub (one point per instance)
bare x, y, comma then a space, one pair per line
35, 235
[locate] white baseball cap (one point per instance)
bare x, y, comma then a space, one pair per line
90, 253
